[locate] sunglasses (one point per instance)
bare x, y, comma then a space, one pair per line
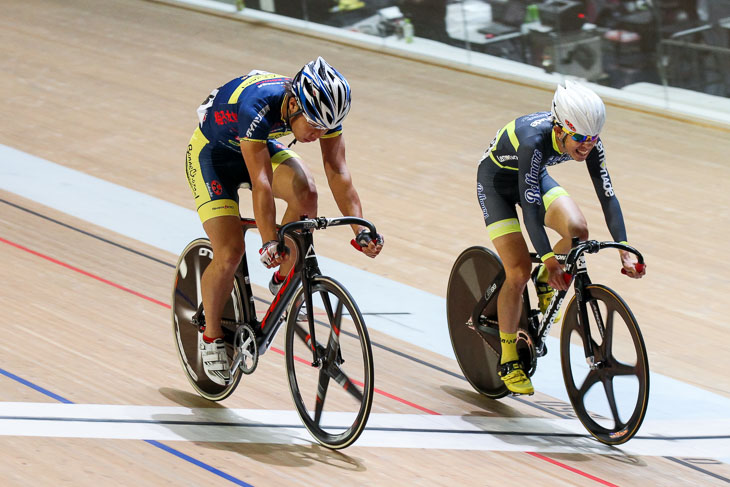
312, 123
579, 137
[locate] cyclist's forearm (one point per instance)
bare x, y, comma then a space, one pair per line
615, 220
609, 202
264, 211
537, 233
346, 197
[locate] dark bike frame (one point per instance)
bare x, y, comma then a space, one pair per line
305, 269
576, 272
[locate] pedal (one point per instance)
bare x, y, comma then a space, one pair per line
198, 319
488, 331
488, 326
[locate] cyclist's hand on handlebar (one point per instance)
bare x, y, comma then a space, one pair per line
556, 275
271, 256
631, 267
365, 244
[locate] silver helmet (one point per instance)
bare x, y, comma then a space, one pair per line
578, 109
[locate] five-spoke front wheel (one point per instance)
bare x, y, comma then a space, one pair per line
610, 398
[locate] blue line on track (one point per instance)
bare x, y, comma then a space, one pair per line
33, 386
198, 463
154, 443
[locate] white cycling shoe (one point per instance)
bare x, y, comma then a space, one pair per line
215, 361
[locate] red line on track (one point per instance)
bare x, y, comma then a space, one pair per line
87, 274
386, 394
378, 391
408, 403
568, 467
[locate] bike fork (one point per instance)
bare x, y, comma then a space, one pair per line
310, 270
584, 300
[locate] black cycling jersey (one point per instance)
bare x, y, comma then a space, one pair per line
513, 171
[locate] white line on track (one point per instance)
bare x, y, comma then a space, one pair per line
544, 435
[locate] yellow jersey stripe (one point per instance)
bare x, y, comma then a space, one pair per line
555, 142
248, 82
510, 128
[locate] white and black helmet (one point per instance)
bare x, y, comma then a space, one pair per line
578, 109
323, 93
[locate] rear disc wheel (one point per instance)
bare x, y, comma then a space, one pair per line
186, 302
478, 353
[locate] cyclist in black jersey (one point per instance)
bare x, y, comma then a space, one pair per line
513, 171
235, 147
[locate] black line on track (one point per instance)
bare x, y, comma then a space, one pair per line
375, 428
695, 467
88, 234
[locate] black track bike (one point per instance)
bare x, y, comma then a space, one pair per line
600, 341
329, 358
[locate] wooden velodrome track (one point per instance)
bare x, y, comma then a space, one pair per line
109, 88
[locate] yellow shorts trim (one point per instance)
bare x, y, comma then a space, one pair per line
282, 156
215, 208
552, 195
503, 227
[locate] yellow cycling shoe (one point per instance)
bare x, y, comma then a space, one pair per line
545, 293
515, 378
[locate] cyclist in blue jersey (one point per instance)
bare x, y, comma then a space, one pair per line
235, 147
513, 171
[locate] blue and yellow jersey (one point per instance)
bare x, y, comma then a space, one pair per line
520, 153
250, 107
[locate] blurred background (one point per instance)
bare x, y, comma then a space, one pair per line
639, 45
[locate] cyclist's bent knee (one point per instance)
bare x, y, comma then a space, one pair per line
294, 184
518, 274
306, 199
227, 254
304, 192
579, 229
577, 226
227, 258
